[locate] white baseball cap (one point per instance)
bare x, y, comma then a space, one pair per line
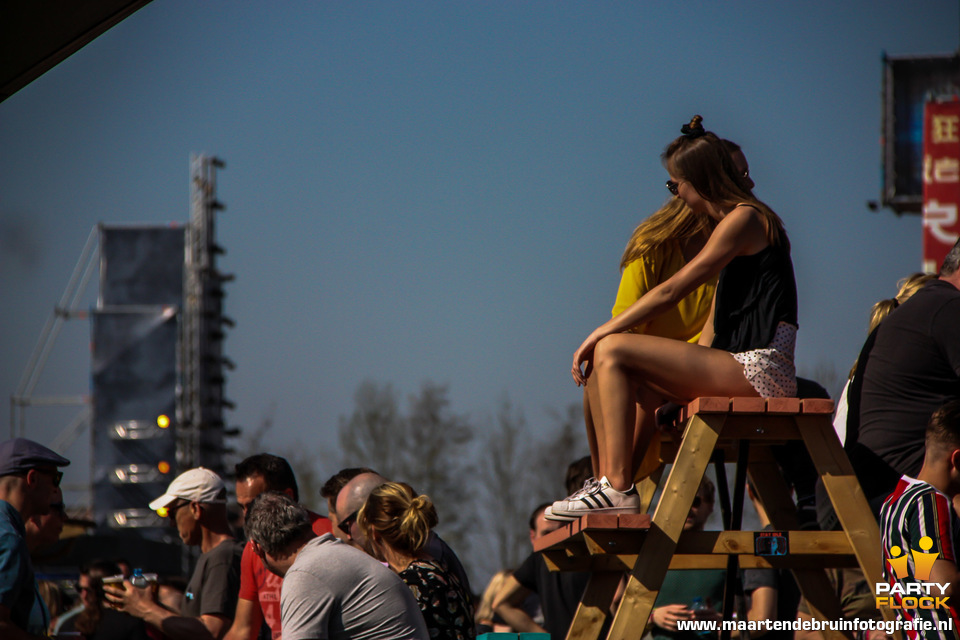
195, 485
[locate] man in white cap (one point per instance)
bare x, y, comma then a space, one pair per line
196, 501
29, 477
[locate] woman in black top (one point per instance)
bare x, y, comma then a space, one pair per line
746, 348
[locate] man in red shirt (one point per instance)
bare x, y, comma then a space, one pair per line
259, 588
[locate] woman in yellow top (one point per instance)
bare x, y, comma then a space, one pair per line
659, 247
747, 344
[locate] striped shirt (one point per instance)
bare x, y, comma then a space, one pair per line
915, 510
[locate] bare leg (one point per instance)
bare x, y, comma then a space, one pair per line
645, 428
591, 417
622, 362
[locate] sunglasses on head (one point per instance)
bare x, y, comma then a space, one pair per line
344, 525
673, 187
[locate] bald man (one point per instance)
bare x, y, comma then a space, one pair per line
352, 497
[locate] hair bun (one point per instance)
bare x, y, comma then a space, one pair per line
694, 129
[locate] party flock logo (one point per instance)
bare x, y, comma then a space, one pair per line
912, 592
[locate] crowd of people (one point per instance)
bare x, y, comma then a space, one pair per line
707, 306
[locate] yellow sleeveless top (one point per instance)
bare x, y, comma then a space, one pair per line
683, 322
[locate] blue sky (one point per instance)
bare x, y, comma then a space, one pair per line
441, 190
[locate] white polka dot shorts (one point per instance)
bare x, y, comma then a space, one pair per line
771, 371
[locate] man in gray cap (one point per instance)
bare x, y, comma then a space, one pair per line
196, 501
29, 477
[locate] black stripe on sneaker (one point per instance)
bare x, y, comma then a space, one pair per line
605, 498
591, 501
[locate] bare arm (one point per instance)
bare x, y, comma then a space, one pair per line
707, 334
184, 628
741, 232
944, 571
140, 604
246, 621
763, 606
809, 634
507, 604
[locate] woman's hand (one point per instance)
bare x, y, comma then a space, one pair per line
583, 354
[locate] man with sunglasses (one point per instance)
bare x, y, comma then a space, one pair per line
29, 478
43, 532
196, 501
259, 600
331, 489
330, 590
353, 496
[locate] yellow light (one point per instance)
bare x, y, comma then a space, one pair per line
164, 466
163, 421
162, 512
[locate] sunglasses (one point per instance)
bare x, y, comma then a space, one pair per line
172, 509
673, 187
344, 525
56, 475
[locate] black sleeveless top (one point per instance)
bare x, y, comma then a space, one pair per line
754, 294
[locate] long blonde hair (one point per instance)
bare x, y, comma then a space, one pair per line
908, 286
400, 517
485, 607
703, 160
673, 222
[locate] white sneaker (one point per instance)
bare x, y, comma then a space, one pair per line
600, 498
550, 515
589, 485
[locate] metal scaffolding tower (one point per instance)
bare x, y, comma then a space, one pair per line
157, 368
201, 401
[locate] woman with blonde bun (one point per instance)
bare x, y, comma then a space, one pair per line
397, 524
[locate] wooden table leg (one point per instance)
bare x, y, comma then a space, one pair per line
654, 558
594, 607
774, 494
847, 497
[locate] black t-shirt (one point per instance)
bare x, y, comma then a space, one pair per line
215, 582
912, 370
754, 294
559, 591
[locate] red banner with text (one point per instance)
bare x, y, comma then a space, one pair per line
941, 181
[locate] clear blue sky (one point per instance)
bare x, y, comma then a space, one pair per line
441, 190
